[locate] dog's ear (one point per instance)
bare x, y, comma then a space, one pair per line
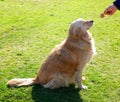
76, 32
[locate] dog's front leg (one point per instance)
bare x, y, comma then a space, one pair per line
78, 79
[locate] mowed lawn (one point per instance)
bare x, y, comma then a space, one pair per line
29, 29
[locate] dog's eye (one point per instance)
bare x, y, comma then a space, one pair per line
85, 23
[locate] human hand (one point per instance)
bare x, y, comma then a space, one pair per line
109, 11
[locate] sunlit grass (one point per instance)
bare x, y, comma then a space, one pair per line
29, 29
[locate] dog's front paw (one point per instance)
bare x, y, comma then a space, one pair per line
83, 87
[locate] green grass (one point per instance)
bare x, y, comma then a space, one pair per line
29, 29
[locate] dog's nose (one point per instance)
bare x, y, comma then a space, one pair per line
91, 21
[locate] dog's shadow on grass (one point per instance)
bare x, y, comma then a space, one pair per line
70, 94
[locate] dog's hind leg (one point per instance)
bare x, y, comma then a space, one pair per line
56, 83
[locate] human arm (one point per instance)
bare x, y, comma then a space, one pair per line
117, 4
110, 10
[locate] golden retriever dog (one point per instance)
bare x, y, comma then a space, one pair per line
64, 65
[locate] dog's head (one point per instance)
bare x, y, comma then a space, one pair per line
79, 28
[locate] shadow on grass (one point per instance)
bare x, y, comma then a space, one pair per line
70, 94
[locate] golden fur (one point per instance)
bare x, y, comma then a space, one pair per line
65, 63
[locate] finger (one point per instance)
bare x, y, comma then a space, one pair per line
109, 13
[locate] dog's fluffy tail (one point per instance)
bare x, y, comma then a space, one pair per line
22, 82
